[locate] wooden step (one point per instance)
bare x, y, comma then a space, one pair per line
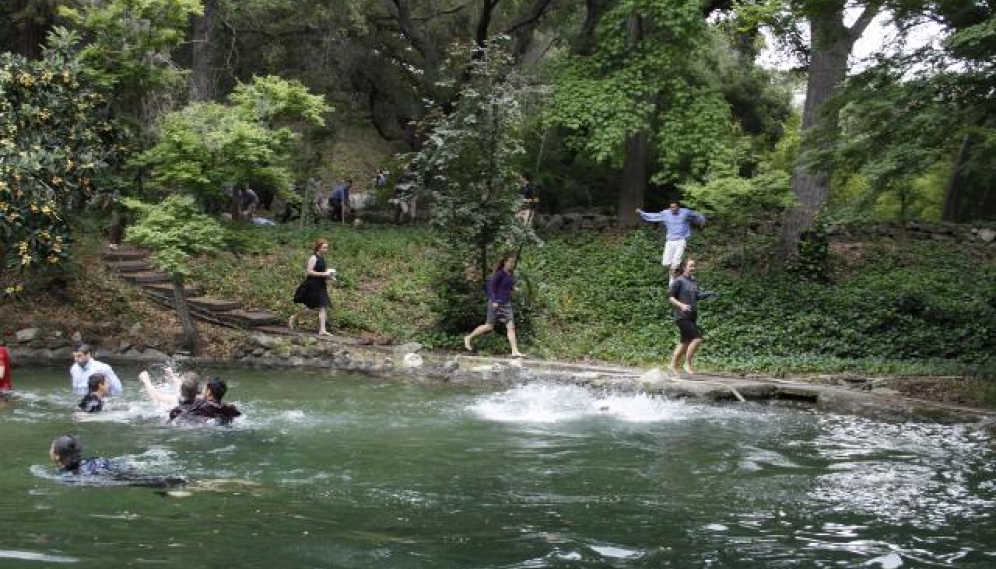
128, 266
214, 305
124, 254
250, 319
143, 277
190, 290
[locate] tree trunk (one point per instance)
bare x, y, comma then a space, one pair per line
956, 184
202, 85
191, 337
637, 158
634, 178
831, 45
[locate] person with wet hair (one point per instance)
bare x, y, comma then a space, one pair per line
209, 408
67, 451
93, 401
184, 383
85, 366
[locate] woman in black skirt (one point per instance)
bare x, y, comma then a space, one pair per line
313, 292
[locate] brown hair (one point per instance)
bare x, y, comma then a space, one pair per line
501, 262
318, 244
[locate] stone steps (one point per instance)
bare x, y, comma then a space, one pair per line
131, 265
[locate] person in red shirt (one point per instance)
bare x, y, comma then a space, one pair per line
6, 369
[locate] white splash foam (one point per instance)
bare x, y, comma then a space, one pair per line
539, 403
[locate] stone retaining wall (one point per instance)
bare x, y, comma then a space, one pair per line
407, 362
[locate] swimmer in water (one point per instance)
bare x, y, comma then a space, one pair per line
187, 384
67, 451
93, 401
209, 408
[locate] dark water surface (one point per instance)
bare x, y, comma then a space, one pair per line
351, 472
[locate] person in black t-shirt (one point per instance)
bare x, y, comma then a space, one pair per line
97, 390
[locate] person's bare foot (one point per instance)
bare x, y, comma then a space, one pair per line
518, 355
671, 371
467, 344
323, 333
688, 369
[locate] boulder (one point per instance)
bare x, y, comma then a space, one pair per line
408, 348
27, 335
412, 361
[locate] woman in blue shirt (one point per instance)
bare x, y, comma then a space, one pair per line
499, 288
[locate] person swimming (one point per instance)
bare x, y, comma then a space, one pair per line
66, 452
97, 390
209, 408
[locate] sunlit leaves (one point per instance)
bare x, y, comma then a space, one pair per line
54, 141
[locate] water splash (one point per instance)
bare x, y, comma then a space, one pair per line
543, 403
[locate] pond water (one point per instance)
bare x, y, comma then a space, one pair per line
344, 472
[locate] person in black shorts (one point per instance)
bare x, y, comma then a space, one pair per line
684, 294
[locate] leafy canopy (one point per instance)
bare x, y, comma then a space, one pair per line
174, 230
205, 147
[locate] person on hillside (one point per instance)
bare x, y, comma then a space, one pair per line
93, 401
499, 288
313, 292
677, 222
86, 366
339, 201
209, 408
380, 180
6, 372
683, 295
250, 201
529, 199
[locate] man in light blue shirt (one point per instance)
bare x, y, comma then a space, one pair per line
86, 366
677, 222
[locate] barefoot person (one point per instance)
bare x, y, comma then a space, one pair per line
314, 292
677, 222
500, 286
684, 295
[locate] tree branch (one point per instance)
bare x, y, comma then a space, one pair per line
861, 24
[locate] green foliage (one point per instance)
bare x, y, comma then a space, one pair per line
129, 43
174, 230
468, 160
205, 147
54, 140
655, 82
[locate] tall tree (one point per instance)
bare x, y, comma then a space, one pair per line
641, 95
830, 46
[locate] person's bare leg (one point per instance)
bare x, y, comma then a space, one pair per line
322, 315
468, 340
693, 346
679, 352
512, 340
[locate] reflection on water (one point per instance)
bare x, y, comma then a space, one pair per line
357, 472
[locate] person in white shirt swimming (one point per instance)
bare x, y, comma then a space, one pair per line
86, 366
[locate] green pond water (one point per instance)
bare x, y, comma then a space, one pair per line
342, 471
